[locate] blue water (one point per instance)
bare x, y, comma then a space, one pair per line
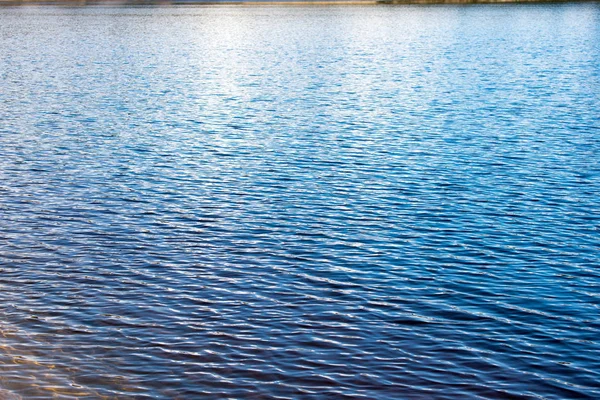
300, 202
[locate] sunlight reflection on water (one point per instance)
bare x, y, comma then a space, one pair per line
302, 202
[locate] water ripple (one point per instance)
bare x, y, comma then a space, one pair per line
300, 202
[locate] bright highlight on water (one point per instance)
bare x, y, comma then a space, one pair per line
300, 202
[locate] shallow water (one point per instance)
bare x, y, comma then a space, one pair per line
303, 202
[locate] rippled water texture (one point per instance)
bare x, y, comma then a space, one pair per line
300, 203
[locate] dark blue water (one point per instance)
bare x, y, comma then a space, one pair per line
300, 203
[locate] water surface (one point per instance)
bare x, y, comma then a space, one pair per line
300, 202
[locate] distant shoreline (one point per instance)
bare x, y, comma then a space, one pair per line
267, 3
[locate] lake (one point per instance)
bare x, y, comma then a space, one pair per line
361, 202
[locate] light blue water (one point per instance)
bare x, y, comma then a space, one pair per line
300, 203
